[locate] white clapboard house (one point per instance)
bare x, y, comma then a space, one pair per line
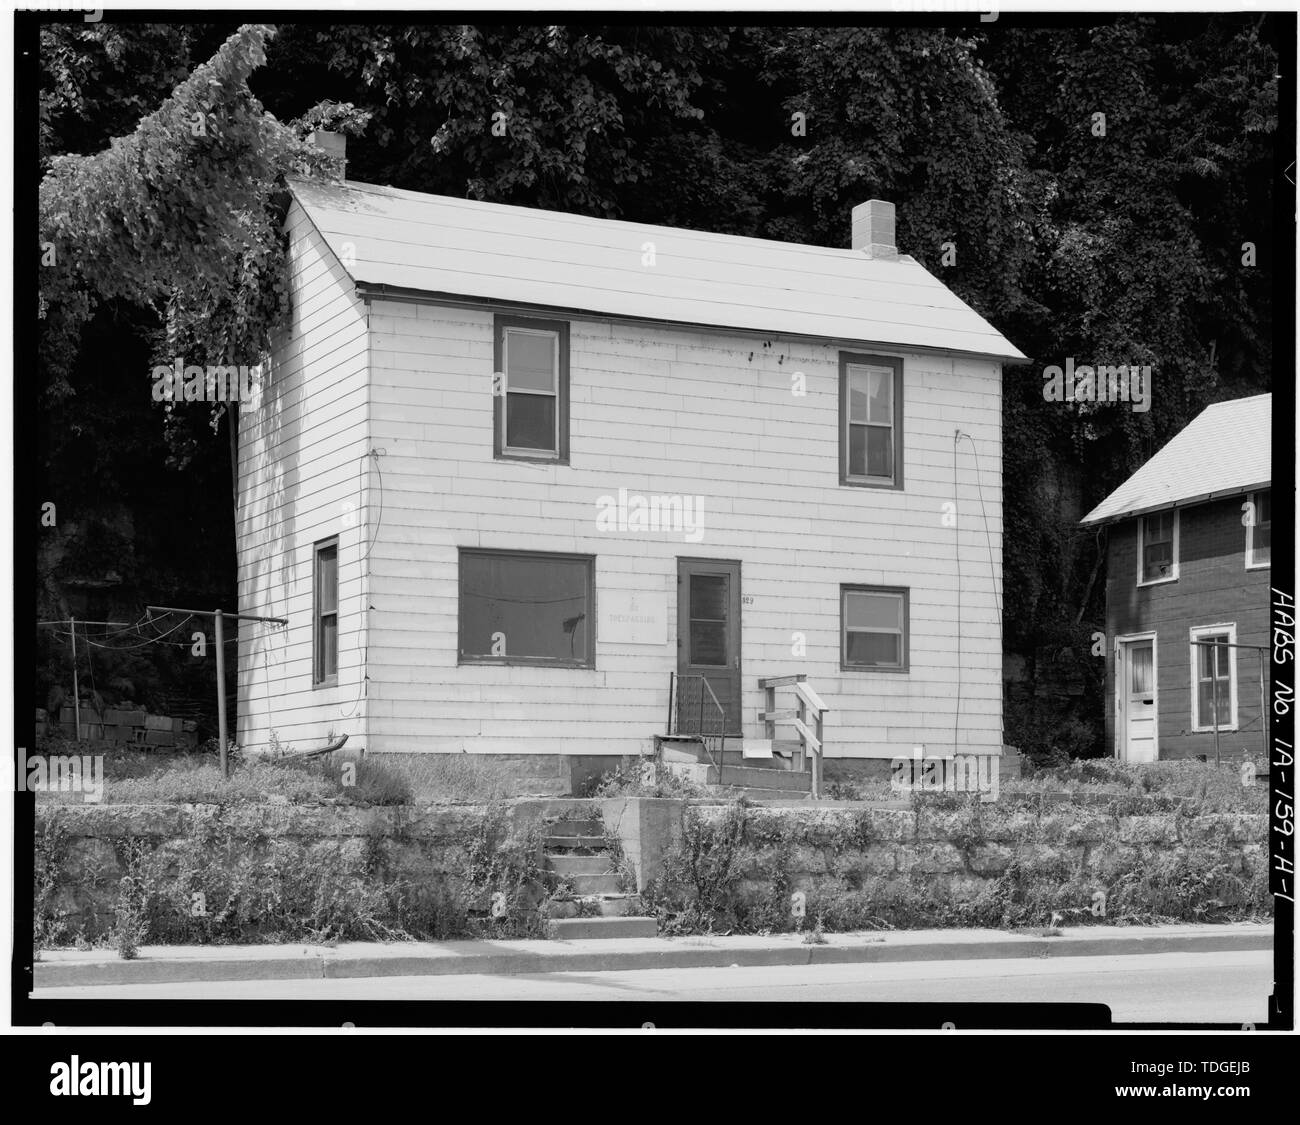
532, 483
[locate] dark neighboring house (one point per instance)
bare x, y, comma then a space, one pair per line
1187, 592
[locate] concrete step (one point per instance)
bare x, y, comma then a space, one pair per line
751, 778
605, 883
686, 751
572, 929
576, 828
607, 906
574, 843
699, 772
763, 795
578, 864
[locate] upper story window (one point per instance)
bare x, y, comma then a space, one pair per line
1158, 547
873, 628
1259, 530
531, 389
871, 421
325, 623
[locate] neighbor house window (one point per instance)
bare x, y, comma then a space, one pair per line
325, 594
873, 628
871, 421
531, 389
526, 608
1214, 674
1158, 547
1259, 531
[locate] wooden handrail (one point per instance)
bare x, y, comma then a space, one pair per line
811, 738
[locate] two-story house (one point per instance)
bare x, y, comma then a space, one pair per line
514, 471
1187, 590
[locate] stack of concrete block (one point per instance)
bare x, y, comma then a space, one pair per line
124, 726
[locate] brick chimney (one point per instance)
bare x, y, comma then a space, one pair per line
873, 230
335, 144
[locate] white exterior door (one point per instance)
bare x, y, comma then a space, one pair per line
1136, 693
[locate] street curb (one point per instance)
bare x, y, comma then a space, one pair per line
557, 959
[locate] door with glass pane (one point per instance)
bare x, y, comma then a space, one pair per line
708, 629
1136, 683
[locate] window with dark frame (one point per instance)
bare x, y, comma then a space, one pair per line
325, 587
531, 395
871, 421
1259, 533
526, 608
873, 628
1159, 556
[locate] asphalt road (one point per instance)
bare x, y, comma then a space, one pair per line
1154, 987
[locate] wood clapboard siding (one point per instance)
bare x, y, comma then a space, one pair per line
1213, 588
300, 458
674, 411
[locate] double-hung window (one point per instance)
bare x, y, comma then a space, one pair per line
871, 421
1158, 547
325, 625
1259, 531
873, 628
1214, 677
531, 389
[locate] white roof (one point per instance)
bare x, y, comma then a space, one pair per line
1225, 450
519, 255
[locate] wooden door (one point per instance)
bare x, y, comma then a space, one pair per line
708, 630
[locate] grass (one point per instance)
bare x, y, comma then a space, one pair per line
456, 779
138, 777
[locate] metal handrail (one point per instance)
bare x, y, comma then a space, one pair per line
676, 725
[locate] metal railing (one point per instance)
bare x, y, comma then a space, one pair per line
693, 709
1214, 689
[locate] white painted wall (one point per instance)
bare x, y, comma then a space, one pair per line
301, 481
657, 410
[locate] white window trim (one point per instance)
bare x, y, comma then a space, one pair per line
1121, 716
1196, 634
1141, 551
507, 390
1251, 564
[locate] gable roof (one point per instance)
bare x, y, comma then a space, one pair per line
1225, 450
407, 240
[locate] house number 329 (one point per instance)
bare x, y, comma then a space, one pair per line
746, 600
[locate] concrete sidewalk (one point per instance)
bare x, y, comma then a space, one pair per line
162, 963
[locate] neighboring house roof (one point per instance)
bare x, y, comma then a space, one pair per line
407, 240
1225, 450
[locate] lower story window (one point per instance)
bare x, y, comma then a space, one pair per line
325, 633
873, 628
526, 608
1213, 678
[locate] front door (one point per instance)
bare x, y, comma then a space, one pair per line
1137, 694
708, 630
